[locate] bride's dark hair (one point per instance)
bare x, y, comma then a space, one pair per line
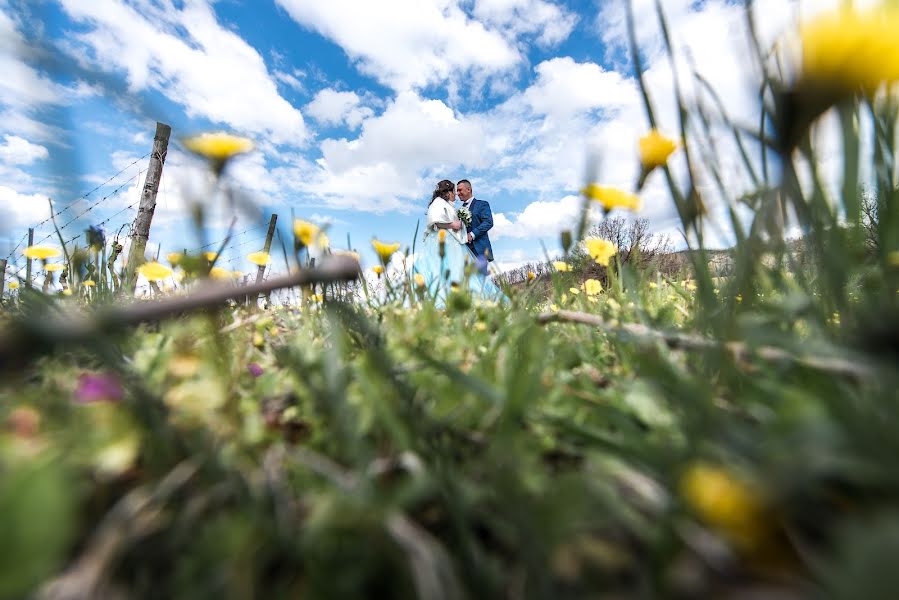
443, 189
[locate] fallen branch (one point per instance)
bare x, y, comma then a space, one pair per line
739, 351
33, 335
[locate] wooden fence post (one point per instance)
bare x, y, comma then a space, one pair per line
141, 226
28, 261
2, 275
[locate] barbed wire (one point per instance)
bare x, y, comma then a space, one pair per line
236, 235
85, 195
93, 206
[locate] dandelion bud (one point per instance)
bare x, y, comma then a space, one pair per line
566, 240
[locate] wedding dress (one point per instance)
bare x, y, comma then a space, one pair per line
458, 265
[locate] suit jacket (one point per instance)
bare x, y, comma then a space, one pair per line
481, 223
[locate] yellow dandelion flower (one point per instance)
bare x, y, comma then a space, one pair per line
531, 276
378, 269
725, 502
210, 256
41, 252
385, 251
574, 291
67, 292
219, 273
611, 197
88, 283
259, 258
154, 271
561, 265
593, 287
419, 280
174, 258
54, 268
13, 285
218, 147
847, 50
305, 232
600, 250
480, 326
655, 149
653, 285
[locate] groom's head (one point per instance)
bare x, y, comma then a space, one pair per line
463, 190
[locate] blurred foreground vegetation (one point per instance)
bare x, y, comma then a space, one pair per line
717, 435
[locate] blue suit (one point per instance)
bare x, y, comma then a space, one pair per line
481, 223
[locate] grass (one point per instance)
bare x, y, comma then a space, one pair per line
711, 437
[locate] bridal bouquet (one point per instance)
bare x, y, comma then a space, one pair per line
465, 216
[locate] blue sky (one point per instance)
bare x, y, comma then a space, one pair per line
357, 109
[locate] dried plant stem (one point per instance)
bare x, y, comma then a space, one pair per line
28, 336
740, 351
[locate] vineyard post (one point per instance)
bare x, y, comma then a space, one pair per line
2, 275
268, 246
28, 261
141, 226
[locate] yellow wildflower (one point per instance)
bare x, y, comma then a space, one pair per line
174, 258
54, 268
593, 287
323, 241
259, 258
561, 265
419, 280
210, 256
41, 252
611, 197
378, 269
154, 271
67, 292
480, 326
600, 250
653, 285
574, 291
218, 147
305, 232
655, 149
219, 273
88, 283
13, 285
385, 251
848, 50
725, 502
531, 276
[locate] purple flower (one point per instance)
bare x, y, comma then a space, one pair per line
254, 369
98, 388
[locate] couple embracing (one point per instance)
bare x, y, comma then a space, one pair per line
456, 248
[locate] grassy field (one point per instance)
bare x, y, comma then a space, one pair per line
639, 436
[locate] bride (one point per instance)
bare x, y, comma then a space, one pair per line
445, 259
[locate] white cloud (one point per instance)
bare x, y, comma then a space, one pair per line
407, 44
331, 107
21, 210
550, 23
540, 219
19, 151
564, 87
209, 70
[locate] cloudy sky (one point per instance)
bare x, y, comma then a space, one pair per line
357, 108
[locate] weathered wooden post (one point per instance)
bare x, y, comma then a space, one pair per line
141, 226
28, 261
268, 246
2, 275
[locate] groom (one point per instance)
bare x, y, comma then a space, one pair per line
481, 223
